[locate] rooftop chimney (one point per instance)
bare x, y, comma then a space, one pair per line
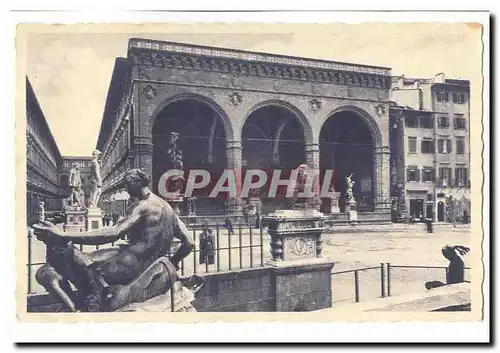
440, 78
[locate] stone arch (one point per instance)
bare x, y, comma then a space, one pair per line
301, 117
367, 118
226, 122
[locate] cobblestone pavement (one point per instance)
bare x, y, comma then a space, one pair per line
350, 251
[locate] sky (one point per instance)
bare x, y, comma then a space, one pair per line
70, 66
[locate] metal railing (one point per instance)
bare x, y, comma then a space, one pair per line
387, 280
439, 276
355, 273
241, 249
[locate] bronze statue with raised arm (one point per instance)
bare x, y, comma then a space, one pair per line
109, 279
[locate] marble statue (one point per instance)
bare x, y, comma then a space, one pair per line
350, 185
295, 201
116, 278
41, 211
95, 179
173, 152
75, 182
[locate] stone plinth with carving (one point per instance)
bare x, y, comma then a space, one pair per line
75, 218
301, 275
94, 218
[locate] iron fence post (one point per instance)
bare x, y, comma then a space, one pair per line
240, 246
356, 285
388, 279
382, 275
251, 248
218, 245
229, 247
194, 250
29, 261
172, 304
261, 246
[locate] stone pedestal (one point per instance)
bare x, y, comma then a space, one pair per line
353, 211
334, 205
75, 217
301, 277
94, 218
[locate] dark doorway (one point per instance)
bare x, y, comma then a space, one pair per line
416, 208
430, 212
440, 211
202, 140
346, 147
272, 139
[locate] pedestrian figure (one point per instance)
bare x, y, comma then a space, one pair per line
228, 224
429, 225
257, 218
207, 245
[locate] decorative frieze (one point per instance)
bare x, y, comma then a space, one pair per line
264, 62
339, 74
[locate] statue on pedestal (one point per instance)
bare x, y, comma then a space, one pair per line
353, 213
124, 278
296, 201
75, 182
95, 179
350, 185
176, 183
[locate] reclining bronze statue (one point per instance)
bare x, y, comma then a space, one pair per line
110, 279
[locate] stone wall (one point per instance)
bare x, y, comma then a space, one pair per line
244, 290
292, 288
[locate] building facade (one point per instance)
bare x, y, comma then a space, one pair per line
235, 109
64, 175
430, 148
42, 159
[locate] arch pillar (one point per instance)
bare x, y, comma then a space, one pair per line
234, 151
142, 154
381, 173
311, 153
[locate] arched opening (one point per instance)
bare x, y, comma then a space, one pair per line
202, 138
440, 211
346, 147
272, 138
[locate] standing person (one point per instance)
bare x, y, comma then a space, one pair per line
428, 222
207, 245
257, 218
228, 224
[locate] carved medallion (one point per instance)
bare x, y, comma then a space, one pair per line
380, 109
300, 247
314, 105
149, 92
235, 98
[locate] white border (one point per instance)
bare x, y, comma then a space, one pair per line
257, 332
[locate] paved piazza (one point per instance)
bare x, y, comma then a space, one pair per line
353, 250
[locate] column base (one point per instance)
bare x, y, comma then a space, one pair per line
94, 218
301, 285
